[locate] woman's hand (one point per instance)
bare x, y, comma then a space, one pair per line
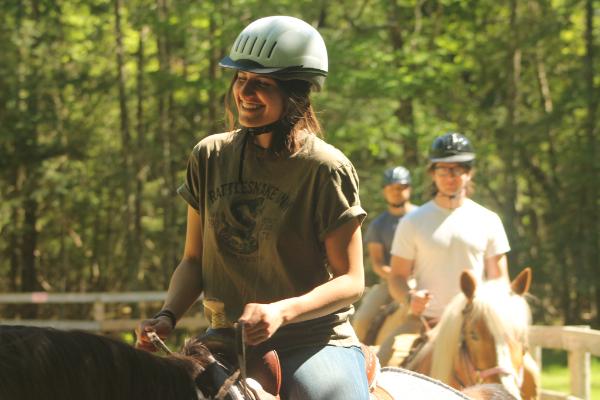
162, 326
260, 321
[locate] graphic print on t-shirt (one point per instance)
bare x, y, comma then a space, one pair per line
237, 231
240, 209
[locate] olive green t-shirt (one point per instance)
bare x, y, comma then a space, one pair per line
264, 223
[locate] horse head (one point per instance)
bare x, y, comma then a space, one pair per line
493, 337
482, 338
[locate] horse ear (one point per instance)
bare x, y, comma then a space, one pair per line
468, 284
520, 285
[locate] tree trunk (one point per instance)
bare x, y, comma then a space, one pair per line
592, 166
507, 136
164, 133
126, 151
27, 146
140, 158
405, 112
213, 63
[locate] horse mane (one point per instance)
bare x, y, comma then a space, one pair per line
507, 316
195, 348
446, 338
47, 363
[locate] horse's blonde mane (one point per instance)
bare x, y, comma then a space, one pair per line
447, 339
507, 316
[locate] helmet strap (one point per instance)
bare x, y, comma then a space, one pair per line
455, 199
276, 127
259, 130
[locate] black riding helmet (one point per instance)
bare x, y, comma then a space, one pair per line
397, 174
452, 147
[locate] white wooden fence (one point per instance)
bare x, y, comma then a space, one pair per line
579, 342
193, 320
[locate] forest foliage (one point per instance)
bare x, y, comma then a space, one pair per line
101, 102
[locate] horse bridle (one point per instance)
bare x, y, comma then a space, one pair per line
477, 376
228, 389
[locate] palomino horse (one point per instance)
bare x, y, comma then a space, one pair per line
44, 363
482, 338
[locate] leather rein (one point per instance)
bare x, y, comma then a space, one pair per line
228, 389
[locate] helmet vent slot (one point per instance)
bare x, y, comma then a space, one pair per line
253, 43
261, 48
243, 46
236, 45
271, 51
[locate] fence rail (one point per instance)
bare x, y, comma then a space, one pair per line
579, 342
99, 322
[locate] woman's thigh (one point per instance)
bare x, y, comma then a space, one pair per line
324, 372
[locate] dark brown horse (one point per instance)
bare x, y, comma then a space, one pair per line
44, 363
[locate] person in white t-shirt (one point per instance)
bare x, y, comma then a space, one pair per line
443, 237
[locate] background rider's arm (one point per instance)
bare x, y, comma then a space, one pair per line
344, 252
496, 267
377, 258
398, 281
186, 281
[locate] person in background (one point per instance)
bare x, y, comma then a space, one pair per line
273, 222
444, 236
396, 193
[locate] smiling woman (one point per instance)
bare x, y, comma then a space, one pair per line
273, 230
258, 98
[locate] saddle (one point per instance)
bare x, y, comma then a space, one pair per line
261, 365
264, 366
372, 369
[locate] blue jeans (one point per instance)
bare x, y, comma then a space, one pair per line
323, 373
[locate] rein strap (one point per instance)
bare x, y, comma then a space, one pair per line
158, 343
240, 332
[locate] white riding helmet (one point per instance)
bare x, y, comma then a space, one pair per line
284, 47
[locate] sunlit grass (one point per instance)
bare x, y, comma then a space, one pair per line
556, 375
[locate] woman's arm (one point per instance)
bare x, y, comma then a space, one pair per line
186, 282
185, 285
344, 252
